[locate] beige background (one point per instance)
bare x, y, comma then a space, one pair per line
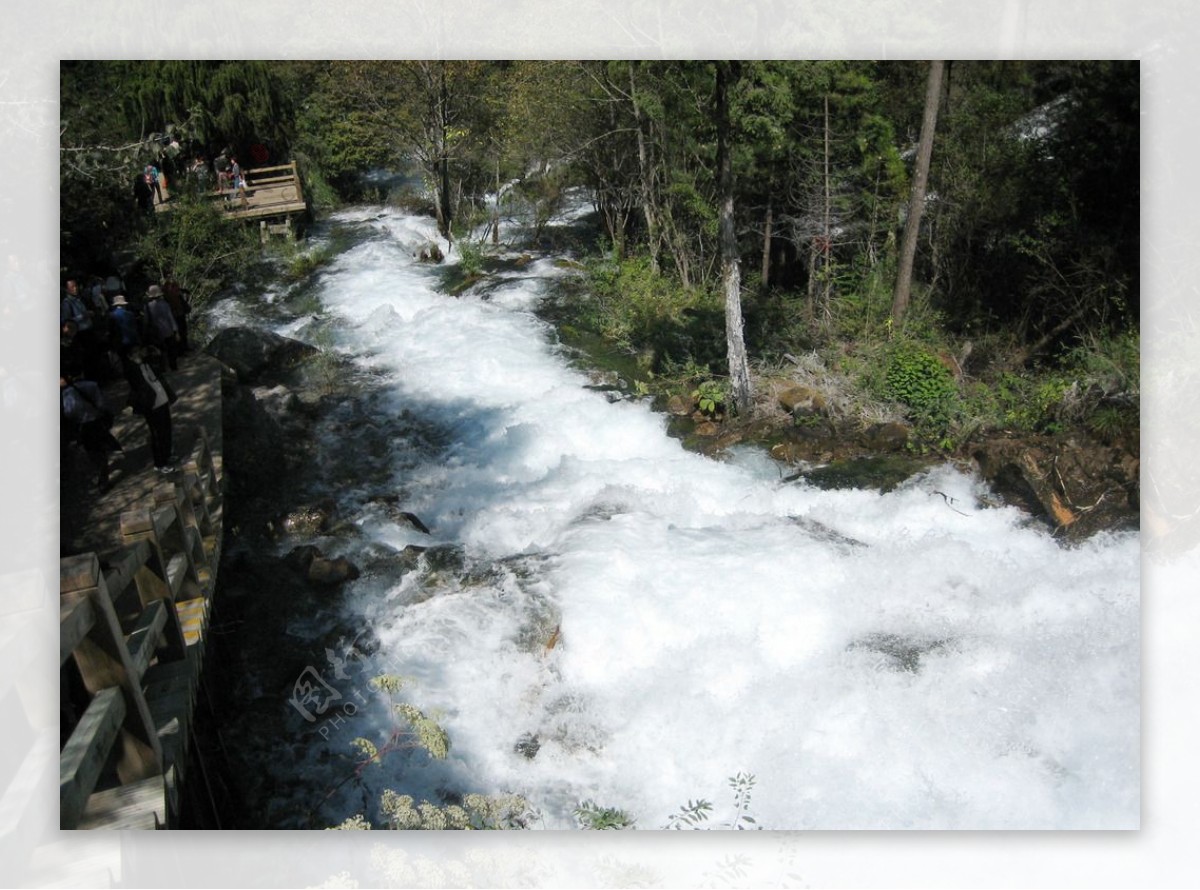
1159, 32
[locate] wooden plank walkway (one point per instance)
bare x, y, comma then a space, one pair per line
273, 196
138, 568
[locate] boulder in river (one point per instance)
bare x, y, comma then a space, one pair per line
309, 519
319, 569
258, 355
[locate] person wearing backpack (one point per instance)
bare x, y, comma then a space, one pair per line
151, 396
161, 326
85, 410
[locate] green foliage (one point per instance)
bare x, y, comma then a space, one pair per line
710, 397
300, 262
916, 379
591, 816
425, 731
415, 729
635, 308
199, 247
477, 812
1030, 404
470, 257
1110, 422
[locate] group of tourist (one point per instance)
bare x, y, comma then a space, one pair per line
106, 338
150, 187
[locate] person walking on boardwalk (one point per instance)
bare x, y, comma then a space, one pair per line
123, 328
161, 325
151, 396
85, 410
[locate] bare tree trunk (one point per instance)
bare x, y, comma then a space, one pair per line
916, 203
645, 179
739, 367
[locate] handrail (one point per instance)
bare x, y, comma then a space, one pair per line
164, 557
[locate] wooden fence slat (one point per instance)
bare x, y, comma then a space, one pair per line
148, 527
76, 616
104, 661
146, 635
84, 755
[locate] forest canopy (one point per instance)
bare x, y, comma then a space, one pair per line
1030, 221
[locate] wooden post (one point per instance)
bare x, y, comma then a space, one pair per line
104, 663
152, 578
184, 535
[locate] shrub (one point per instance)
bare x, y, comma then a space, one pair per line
710, 397
591, 816
915, 378
636, 308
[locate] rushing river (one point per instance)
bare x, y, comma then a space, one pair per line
618, 619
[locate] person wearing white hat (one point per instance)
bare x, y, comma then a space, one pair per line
162, 327
123, 328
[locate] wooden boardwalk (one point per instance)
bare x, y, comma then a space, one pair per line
138, 572
273, 196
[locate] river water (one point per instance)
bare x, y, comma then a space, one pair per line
607, 616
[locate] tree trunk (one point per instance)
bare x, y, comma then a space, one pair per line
444, 160
916, 203
827, 233
496, 207
766, 251
646, 184
739, 368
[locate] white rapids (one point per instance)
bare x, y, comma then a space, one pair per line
910, 660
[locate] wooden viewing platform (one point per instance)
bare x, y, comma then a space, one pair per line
138, 573
273, 196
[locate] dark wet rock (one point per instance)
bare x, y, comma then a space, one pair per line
258, 355
439, 563
326, 572
821, 532
528, 745
410, 557
315, 567
707, 429
900, 653
412, 521
310, 519
298, 559
279, 401
445, 559
430, 253
883, 473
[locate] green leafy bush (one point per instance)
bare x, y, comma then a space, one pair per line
591, 816
636, 308
710, 397
915, 378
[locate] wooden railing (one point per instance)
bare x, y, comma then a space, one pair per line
134, 629
283, 174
